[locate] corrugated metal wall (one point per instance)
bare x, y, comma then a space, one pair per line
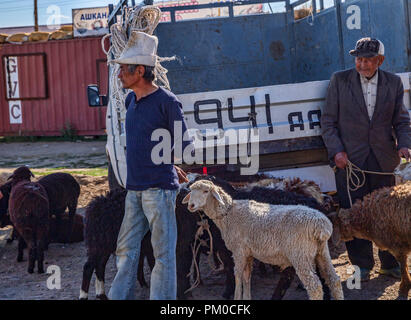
70, 65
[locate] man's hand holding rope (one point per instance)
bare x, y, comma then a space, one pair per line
405, 153
341, 159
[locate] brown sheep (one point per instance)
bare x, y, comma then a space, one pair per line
384, 217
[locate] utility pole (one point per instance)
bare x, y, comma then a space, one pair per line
36, 21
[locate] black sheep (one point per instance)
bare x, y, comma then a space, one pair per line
186, 229
29, 213
5, 191
102, 224
20, 174
103, 219
61, 233
63, 192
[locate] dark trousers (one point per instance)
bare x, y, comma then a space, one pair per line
359, 250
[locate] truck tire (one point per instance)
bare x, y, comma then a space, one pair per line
112, 181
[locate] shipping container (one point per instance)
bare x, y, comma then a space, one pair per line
43, 87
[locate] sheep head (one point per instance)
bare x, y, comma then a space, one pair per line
20, 174
341, 226
202, 193
403, 170
5, 190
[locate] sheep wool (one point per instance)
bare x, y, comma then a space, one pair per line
384, 217
29, 213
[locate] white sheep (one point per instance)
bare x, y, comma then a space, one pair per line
283, 235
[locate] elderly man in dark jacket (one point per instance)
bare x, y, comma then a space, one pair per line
365, 120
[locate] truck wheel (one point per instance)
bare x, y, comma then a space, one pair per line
112, 181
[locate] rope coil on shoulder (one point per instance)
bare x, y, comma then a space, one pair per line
139, 18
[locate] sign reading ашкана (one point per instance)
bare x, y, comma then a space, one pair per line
90, 21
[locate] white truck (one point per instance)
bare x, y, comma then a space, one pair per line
285, 115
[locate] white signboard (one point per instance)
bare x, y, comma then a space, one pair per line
12, 85
281, 112
90, 21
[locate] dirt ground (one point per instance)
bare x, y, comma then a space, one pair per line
16, 283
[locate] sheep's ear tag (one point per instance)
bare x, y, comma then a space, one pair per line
217, 196
1, 195
186, 198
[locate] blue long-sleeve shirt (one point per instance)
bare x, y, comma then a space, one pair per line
158, 110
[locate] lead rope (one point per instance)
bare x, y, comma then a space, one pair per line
195, 247
355, 179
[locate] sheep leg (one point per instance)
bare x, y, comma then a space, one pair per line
306, 272
229, 282
47, 235
228, 262
262, 269
40, 250
100, 274
72, 211
88, 269
21, 246
140, 271
327, 272
287, 276
239, 266
200, 283
247, 278
184, 258
146, 251
32, 245
405, 285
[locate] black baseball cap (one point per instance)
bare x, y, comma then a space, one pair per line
367, 48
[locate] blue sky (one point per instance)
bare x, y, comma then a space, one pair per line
20, 12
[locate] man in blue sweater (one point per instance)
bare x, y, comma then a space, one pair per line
152, 188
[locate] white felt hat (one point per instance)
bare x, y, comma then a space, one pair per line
141, 49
